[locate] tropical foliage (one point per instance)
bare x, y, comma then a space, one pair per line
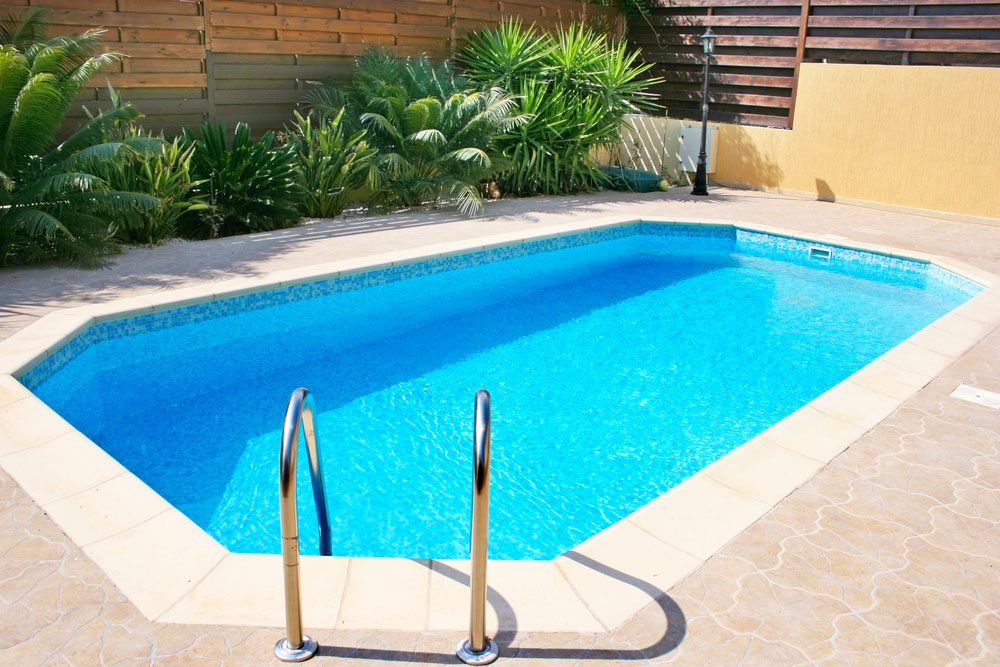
251, 186
435, 135
53, 202
331, 167
526, 113
23, 32
575, 86
164, 173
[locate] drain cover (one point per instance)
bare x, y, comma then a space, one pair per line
977, 396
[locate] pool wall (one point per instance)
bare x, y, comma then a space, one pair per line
175, 572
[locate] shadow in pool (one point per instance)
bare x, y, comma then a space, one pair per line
246, 402
674, 627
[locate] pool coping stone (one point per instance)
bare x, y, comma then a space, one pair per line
173, 571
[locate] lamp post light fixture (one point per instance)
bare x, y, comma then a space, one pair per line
701, 176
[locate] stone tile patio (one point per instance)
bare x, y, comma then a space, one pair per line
889, 555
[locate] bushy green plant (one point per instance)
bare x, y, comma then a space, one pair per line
164, 173
251, 186
379, 74
331, 167
435, 135
53, 202
575, 86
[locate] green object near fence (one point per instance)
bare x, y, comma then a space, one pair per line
632, 180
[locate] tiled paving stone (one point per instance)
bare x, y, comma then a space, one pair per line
889, 555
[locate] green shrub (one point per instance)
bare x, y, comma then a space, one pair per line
331, 169
435, 135
250, 187
164, 173
53, 202
575, 86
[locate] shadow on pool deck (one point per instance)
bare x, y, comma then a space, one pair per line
675, 627
27, 292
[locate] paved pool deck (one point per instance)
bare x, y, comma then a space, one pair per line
889, 555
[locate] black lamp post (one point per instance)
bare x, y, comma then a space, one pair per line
701, 176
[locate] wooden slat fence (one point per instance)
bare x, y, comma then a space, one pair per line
762, 42
191, 60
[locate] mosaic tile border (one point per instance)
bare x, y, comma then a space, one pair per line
774, 246
872, 264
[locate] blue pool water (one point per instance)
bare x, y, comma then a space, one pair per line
617, 369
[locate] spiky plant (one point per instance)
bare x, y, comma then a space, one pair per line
53, 203
247, 185
332, 167
575, 85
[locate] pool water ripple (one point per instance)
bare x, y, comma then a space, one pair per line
617, 369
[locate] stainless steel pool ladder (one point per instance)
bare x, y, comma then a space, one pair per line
295, 646
478, 649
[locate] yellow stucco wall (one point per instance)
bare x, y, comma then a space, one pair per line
916, 137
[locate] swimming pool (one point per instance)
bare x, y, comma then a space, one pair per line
621, 362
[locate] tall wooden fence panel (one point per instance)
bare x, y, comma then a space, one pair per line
251, 60
762, 42
261, 55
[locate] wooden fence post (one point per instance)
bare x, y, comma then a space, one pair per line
800, 50
209, 61
452, 21
909, 34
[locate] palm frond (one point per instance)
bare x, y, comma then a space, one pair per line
80, 76
394, 164
117, 201
430, 135
29, 28
61, 55
36, 222
55, 187
326, 97
95, 154
468, 200
97, 129
472, 155
37, 112
14, 73
379, 123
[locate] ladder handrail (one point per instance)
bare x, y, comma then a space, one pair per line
478, 649
302, 409
301, 412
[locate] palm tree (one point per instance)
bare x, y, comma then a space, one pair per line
52, 203
434, 133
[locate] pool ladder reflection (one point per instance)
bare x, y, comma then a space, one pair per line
477, 649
